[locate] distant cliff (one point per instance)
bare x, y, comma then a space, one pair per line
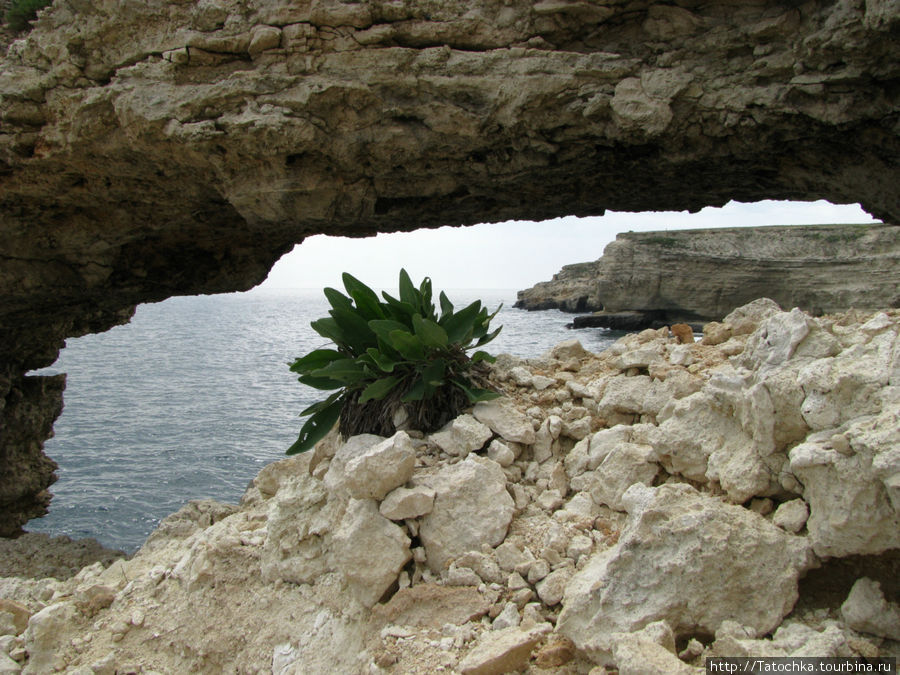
704, 274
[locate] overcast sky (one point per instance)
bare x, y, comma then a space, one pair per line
515, 254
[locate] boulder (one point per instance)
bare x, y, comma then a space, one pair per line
689, 559
502, 651
625, 465
866, 610
505, 420
404, 503
379, 469
47, 633
854, 499
471, 508
369, 550
461, 436
301, 518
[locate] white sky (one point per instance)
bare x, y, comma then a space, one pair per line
516, 254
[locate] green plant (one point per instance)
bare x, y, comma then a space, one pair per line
393, 357
21, 12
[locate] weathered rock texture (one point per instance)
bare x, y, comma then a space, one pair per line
703, 274
529, 567
157, 148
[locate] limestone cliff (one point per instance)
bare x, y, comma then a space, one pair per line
157, 148
572, 289
703, 274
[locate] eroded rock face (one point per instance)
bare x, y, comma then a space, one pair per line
696, 275
160, 148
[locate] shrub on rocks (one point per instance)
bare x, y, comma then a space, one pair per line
397, 363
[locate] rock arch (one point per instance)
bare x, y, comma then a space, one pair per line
150, 149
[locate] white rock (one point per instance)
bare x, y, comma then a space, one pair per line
509, 556
542, 448
508, 618
521, 376
569, 349
624, 395
380, 468
867, 611
538, 570
355, 445
579, 546
627, 464
369, 550
471, 508
403, 503
461, 436
500, 453
8, 666
747, 318
502, 651
669, 564
46, 635
637, 655
792, 515
775, 340
483, 565
541, 382
552, 588
300, 519
638, 358
461, 576
504, 419
854, 501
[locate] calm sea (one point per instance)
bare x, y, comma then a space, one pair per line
194, 396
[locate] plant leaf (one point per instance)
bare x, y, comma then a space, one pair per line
431, 334
347, 371
328, 328
415, 393
381, 360
321, 405
317, 427
410, 346
446, 306
433, 375
474, 394
315, 359
459, 326
484, 339
379, 389
408, 292
357, 335
337, 299
398, 310
367, 302
324, 383
383, 327
482, 356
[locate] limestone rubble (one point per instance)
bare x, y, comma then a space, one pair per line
642, 528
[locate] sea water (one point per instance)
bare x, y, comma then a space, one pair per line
194, 396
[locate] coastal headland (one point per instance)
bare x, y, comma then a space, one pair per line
647, 279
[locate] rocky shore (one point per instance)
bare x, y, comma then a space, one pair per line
652, 279
639, 510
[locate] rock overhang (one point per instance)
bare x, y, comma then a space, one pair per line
164, 148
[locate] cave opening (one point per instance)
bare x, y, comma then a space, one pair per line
193, 397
